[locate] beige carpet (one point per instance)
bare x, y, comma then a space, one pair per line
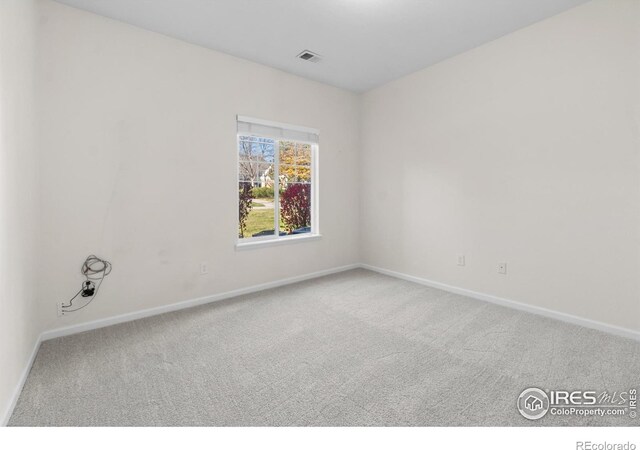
357, 348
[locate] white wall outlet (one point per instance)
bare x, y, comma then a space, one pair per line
461, 260
502, 268
60, 310
204, 268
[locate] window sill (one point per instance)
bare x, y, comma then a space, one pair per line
279, 241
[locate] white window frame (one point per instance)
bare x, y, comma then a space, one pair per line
276, 239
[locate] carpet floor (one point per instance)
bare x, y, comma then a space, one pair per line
352, 349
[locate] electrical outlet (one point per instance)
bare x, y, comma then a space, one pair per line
461, 260
204, 268
502, 268
60, 310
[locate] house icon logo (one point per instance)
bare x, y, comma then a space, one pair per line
533, 403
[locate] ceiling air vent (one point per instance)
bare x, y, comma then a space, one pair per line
309, 56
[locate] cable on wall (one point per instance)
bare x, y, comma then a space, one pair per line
94, 270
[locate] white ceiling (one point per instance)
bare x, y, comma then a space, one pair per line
364, 43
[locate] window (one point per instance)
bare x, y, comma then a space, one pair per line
277, 174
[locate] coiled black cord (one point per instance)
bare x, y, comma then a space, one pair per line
94, 270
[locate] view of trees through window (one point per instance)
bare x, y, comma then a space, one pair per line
274, 194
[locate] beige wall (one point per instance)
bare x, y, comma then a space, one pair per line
19, 191
524, 150
139, 165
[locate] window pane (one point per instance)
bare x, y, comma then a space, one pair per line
287, 175
295, 187
294, 174
265, 177
256, 149
261, 219
256, 174
287, 152
295, 208
249, 172
303, 154
303, 174
295, 153
260, 211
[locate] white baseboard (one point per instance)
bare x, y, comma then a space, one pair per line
128, 317
95, 324
569, 318
4, 418
100, 323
